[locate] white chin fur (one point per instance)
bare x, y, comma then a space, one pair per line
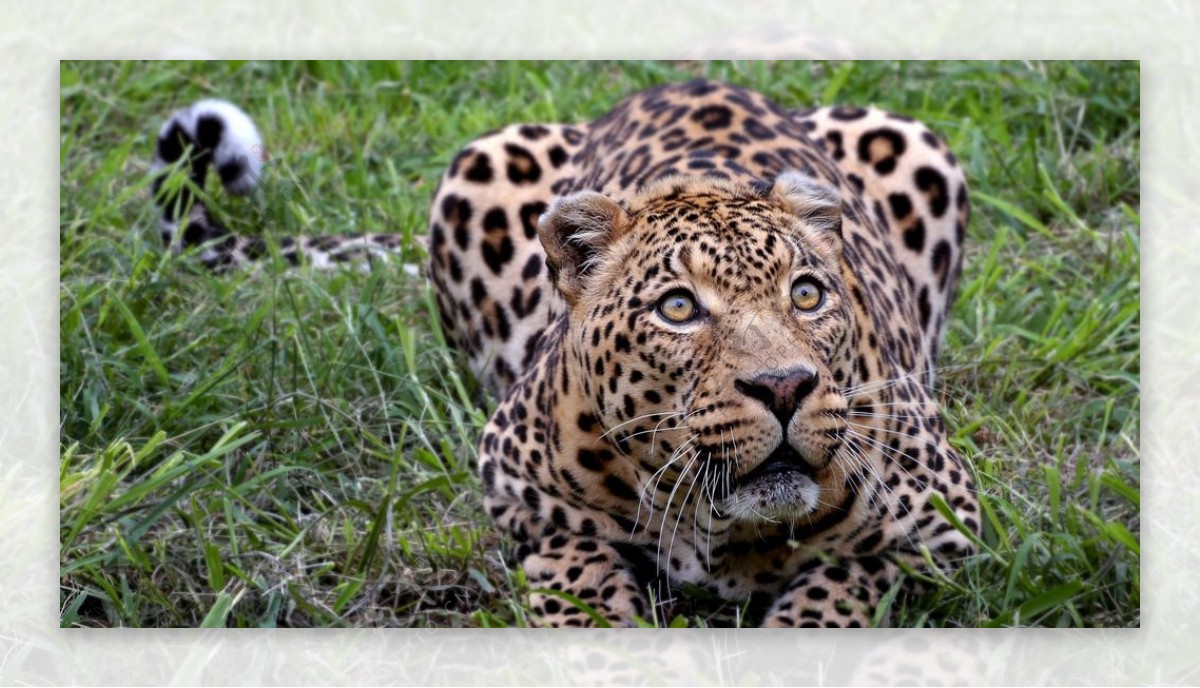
773, 499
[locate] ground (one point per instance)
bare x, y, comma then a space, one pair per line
288, 448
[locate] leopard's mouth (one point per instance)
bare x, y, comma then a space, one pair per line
782, 486
783, 463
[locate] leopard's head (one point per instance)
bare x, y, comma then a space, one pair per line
713, 329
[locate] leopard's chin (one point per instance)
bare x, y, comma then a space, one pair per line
782, 487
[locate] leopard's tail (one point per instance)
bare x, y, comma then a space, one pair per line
208, 134
218, 135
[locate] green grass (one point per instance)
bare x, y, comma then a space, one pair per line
288, 448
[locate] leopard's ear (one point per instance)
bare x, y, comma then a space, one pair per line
575, 231
818, 205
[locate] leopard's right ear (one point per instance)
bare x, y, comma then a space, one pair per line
817, 204
575, 232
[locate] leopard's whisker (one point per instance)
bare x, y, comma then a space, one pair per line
670, 504
675, 456
641, 417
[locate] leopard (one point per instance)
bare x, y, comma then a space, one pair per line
711, 325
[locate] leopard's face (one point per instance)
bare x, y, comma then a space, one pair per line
714, 339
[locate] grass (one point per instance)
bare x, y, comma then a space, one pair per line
286, 448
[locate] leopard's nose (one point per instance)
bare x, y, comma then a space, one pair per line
781, 391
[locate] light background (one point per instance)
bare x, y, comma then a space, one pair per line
35, 37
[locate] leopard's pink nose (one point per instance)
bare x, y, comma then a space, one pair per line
781, 391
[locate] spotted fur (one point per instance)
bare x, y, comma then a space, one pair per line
758, 449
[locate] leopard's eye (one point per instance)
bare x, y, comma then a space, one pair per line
678, 306
807, 295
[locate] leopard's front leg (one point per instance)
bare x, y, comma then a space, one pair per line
591, 570
845, 593
835, 595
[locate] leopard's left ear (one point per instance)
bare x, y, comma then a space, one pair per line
575, 231
817, 204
